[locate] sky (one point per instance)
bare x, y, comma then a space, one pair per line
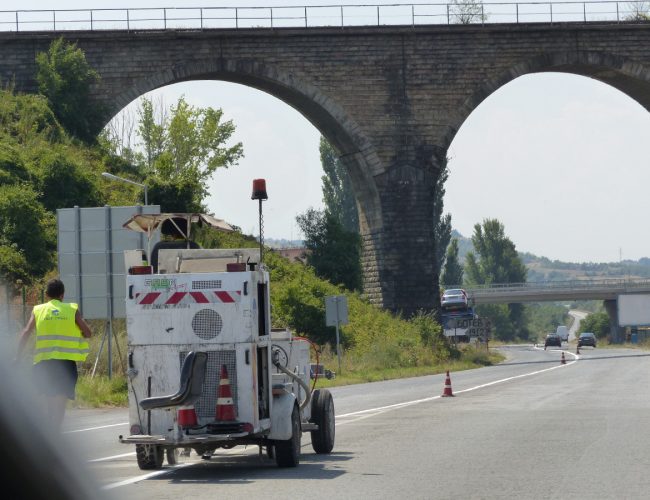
560, 160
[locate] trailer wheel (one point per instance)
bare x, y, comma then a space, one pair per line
322, 414
287, 452
149, 456
172, 455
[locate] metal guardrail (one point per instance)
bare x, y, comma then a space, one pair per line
348, 15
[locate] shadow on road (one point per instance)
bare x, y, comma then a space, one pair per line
246, 469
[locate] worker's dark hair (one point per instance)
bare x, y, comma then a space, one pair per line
55, 289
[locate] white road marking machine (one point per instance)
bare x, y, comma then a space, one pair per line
205, 369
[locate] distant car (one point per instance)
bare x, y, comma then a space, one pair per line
587, 338
455, 298
552, 339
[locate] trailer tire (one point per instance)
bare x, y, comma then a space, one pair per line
287, 452
149, 456
172, 455
322, 414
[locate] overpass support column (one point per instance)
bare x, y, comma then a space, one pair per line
617, 333
404, 248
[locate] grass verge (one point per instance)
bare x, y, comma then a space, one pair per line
101, 392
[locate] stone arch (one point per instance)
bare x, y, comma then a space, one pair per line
631, 78
357, 153
335, 124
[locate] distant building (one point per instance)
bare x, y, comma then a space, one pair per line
298, 254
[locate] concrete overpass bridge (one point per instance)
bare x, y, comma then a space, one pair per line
387, 86
608, 290
554, 291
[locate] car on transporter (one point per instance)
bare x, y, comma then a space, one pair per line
454, 299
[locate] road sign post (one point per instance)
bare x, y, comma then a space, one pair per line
336, 313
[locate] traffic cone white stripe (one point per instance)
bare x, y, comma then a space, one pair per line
225, 410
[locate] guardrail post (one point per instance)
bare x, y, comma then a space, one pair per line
448, 14
517, 12
377, 15
551, 7
91, 20
128, 21
236, 17
54, 19
342, 17
617, 18
305, 16
164, 18
271, 12
201, 11
412, 16
17, 29
584, 11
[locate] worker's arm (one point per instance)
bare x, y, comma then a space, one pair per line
83, 326
24, 335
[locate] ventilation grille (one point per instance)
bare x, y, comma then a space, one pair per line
207, 324
206, 284
207, 404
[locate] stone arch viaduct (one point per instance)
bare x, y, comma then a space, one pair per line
390, 99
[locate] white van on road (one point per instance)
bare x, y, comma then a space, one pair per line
563, 332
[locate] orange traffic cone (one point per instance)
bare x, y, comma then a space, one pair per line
186, 416
225, 406
447, 392
563, 361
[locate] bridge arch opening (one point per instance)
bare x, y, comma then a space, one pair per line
561, 160
278, 111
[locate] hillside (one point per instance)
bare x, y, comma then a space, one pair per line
544, 269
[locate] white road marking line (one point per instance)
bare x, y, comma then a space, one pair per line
104, 459
383, 409
136, 479
95, 428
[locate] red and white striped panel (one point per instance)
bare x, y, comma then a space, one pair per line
204, 297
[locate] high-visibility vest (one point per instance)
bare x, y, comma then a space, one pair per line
57, 334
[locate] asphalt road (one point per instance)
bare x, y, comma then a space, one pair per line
529, 428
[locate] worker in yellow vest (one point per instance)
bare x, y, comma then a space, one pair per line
61, 334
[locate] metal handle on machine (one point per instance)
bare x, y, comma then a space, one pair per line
131, 292
276, 362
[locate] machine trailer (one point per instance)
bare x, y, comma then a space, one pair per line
205, 369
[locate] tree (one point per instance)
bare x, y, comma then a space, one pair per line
598, 323
638, 11
441, 223
151, 130
185, 148
337, 188
453, 270
65, 78
497, 262
27, 234
62, 180
334, 253
466, 11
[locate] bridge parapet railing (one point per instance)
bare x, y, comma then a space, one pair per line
312, 16
623, 284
